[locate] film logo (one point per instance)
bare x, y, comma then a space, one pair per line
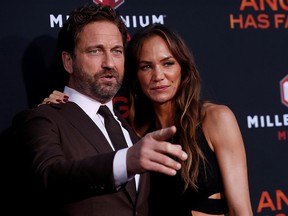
260, 14
113, 3
276, 120
284, 90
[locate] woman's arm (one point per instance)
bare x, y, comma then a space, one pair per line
223, 135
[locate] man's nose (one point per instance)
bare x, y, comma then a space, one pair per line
108, 61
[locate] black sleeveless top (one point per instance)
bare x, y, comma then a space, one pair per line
167, 196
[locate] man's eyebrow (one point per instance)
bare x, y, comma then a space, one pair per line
103, 47
95, 46
118, 47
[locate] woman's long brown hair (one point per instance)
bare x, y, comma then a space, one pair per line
187, 100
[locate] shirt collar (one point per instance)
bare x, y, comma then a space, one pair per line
89, 105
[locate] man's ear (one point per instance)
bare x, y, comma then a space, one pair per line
67, 62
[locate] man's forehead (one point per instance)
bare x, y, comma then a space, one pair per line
102, 27
100, 34
106, 34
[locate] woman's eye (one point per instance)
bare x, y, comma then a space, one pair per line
145, 67
169, 63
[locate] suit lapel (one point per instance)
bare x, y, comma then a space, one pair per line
80, 120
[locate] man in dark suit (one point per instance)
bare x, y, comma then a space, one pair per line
76, 168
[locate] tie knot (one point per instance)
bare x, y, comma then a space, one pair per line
104, 111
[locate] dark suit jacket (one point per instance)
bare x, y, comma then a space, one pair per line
71, 165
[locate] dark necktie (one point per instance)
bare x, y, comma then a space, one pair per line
113, 128
117, 138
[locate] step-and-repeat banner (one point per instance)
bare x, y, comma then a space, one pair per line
240, 46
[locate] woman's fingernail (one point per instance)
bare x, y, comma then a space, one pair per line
184, 156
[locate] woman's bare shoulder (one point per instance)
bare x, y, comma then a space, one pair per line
215, 111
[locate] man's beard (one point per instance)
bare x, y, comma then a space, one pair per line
93, 87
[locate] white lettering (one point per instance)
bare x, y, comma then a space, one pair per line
160, 19
267, 121
277, 122
57, 20
130, 21
142, 21
134, 22
54, 20
252, 121
262, 121
285, 119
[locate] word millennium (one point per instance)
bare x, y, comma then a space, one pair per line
262, 121
130, 21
